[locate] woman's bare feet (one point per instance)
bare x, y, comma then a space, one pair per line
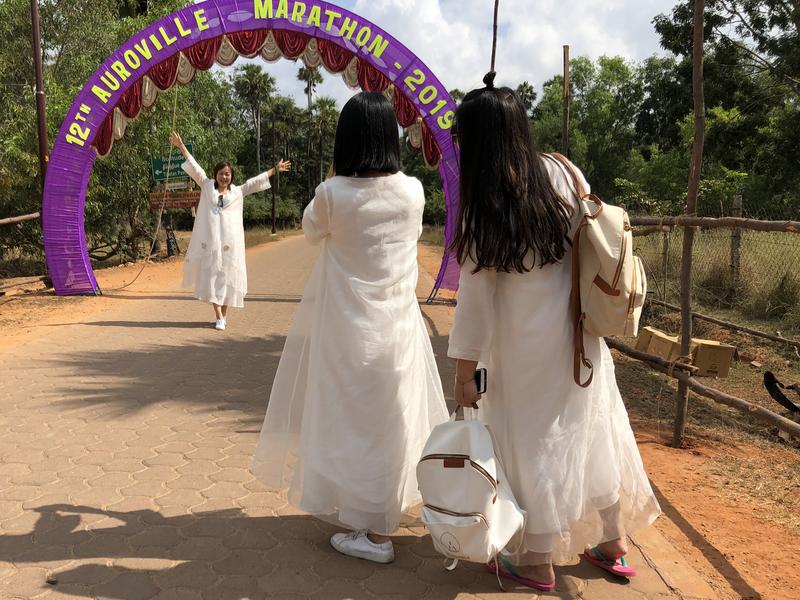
614, 549
540, 573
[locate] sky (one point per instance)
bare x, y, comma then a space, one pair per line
453, 38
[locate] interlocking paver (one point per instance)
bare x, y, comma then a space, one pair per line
165, 458
125, 446
195, 574
150, 489
26, 582
234, 587
137, 586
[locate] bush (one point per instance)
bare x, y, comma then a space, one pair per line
435, 213
780, 302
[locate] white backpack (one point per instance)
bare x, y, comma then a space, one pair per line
608, 281
469, 507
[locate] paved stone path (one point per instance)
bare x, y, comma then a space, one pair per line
124, 450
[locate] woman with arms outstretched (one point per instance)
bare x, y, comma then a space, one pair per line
215, 261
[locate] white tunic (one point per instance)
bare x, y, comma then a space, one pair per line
357, 391
569, 452
215, 261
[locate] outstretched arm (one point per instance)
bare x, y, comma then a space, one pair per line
176, 140
259, 183
192, 168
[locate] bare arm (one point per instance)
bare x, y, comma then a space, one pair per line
191, 167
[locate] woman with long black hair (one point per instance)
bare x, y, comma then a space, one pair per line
569, 452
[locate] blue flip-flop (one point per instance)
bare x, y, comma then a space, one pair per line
618, 567
508, 572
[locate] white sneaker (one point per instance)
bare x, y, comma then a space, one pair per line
357, 544
220, 324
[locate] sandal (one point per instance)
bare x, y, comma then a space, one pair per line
618, 567
510, 573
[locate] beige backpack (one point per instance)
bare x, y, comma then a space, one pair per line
608, 281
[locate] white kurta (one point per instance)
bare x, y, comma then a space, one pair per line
357, 391
215, 261
569, 452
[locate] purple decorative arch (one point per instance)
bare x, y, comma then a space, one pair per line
95, 108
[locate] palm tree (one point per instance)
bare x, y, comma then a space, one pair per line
528, 96
255, 88
312, 78
457, 95
326, 116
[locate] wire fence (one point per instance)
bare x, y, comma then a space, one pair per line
753, 273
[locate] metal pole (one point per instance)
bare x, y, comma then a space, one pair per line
736, 248
41, 114
567, 101
274, 157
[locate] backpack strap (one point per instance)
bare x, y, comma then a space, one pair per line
579, 351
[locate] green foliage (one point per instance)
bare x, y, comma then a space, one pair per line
435, 213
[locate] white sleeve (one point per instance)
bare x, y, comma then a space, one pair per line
256, 184
194, 170
317, 217
473, 327
563, 181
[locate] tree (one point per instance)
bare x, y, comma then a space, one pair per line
606, 100
527, 94
312, 78
767, 31
326, 117
457, 95
255, 88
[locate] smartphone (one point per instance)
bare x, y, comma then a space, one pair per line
480, 380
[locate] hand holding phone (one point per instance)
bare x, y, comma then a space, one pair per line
467, 396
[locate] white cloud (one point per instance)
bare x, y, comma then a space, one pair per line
453, 37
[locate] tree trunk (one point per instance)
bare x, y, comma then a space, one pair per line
682, 396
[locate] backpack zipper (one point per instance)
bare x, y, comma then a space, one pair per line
451, 513
472, 463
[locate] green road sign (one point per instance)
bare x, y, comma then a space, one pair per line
160, 165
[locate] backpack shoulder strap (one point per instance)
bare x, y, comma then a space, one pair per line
579, 352
577, 186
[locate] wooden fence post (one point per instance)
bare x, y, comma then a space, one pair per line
682, 396
664, 264
567, 99
736, 249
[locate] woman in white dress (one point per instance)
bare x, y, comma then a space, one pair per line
357, 391
569, 452
215, 261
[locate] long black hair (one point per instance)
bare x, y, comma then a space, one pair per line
511, 218
366, 136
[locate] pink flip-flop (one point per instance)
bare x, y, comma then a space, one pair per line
617, 567
510, 573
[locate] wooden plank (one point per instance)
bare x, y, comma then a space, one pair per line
173, 200
13, 220
762, 414
715, 223
733, 326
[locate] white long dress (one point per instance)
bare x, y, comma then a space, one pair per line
357, 391
215, 261
569, 452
